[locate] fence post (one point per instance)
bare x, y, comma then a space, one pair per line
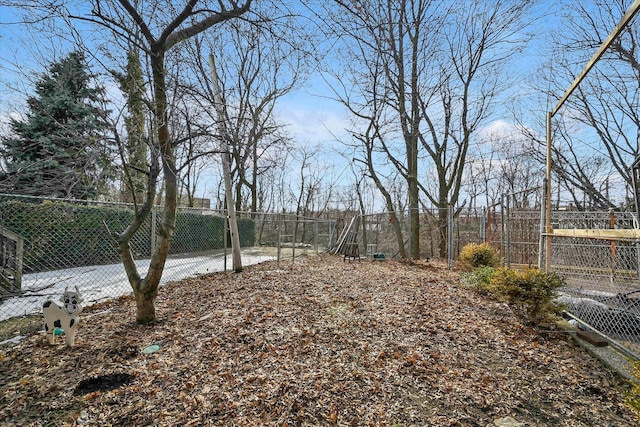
543, 216
316, 230
365, 237
279, 235
638, 258
483, 226
614, 256
331, 229
450, 236
293, 239
507, 232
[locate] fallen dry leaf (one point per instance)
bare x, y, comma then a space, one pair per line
315, 342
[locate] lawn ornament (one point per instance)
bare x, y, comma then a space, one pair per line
65, 317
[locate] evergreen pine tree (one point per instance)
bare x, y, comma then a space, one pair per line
59, 149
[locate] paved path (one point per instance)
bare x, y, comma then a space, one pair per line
101, 282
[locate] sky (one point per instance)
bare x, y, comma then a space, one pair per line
308, 112
310, 115
8, 68
312, 118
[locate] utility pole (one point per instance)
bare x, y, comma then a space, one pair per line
226, 170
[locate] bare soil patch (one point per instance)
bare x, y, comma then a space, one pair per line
316, 342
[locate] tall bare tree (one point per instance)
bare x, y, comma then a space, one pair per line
154, 28
260, 68
479, 40
266, 70
386, 51
427, 73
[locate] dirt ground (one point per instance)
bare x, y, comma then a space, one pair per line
311, 343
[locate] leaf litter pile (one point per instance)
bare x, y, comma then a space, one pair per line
317, 342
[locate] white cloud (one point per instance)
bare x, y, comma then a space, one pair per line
312, 121
498, 129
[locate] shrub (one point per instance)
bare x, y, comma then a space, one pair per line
530, 293
633, 395
476, 255
480, 279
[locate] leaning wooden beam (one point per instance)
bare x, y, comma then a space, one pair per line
624, 21
349, 235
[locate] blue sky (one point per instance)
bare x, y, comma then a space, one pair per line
21, 60
312, 117
20, 57
10, 60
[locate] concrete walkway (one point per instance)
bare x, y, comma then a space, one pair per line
101, 282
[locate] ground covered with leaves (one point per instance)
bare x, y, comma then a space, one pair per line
316, 342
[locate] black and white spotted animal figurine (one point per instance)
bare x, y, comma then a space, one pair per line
65, 317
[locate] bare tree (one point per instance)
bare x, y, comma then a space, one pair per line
313, 188
384, 56
261, 67
504, 164
426, 73
479, 41
154, 28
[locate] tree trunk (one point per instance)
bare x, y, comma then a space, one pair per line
397, 228
414, 209
145, 305
146, 290
226, 169
444, 231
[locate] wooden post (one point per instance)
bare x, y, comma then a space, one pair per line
548, 230
11, 253
612, 225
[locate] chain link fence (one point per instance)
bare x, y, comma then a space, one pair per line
601, 269
292, 235
48, 245
514, 233
602, 274
378, 233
